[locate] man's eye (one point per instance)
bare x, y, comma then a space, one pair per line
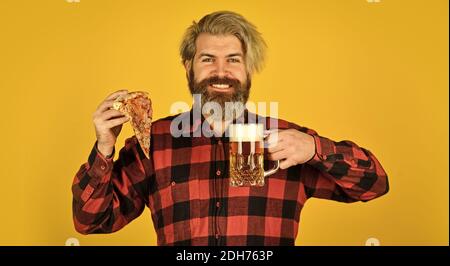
207, 59
234, 60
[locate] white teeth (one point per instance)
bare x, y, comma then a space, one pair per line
220, 86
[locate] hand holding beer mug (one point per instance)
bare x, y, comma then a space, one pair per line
247, 155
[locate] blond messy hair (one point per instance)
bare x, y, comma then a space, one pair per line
224, 23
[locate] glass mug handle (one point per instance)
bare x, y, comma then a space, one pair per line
277, 163
273, 170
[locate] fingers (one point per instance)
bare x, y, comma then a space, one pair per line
286, 164
271, 138
279, 155
275, 142
110, 114
107, 104
276, 148
109, 119
116, 121
279, 139
105, 111
283, 157
116, 94
286, 146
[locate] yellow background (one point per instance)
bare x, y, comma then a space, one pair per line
374, 73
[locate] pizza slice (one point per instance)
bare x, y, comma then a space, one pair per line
138, 107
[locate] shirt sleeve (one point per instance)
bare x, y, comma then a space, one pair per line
342, 171
108, 195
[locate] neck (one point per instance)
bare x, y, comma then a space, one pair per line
219, 126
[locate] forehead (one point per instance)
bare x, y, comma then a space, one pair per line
218, 44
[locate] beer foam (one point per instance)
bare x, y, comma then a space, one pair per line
246, 132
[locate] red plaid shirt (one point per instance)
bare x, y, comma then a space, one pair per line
186, 186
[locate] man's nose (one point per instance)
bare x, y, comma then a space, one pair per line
221, 69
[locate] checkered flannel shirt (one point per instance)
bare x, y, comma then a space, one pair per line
185, 184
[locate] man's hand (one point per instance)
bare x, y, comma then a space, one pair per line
108, 123
290, 146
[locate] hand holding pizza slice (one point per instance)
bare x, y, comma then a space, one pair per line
138, 107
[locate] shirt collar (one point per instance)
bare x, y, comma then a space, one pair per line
197, 119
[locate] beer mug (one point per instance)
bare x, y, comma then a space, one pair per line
247, 155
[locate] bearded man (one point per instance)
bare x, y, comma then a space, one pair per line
185, 182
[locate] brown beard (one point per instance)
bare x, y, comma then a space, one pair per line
240, 93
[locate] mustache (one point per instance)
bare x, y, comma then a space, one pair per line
218, 80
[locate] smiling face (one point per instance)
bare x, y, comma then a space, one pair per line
220, 56
218, 70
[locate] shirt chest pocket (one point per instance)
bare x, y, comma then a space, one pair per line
179, 195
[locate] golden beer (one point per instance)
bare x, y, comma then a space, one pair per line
247, 155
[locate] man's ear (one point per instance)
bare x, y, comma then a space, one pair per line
187, 65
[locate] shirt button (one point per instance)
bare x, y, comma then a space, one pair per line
173, 183
218, 204
217, 236
218, 172
103, 167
